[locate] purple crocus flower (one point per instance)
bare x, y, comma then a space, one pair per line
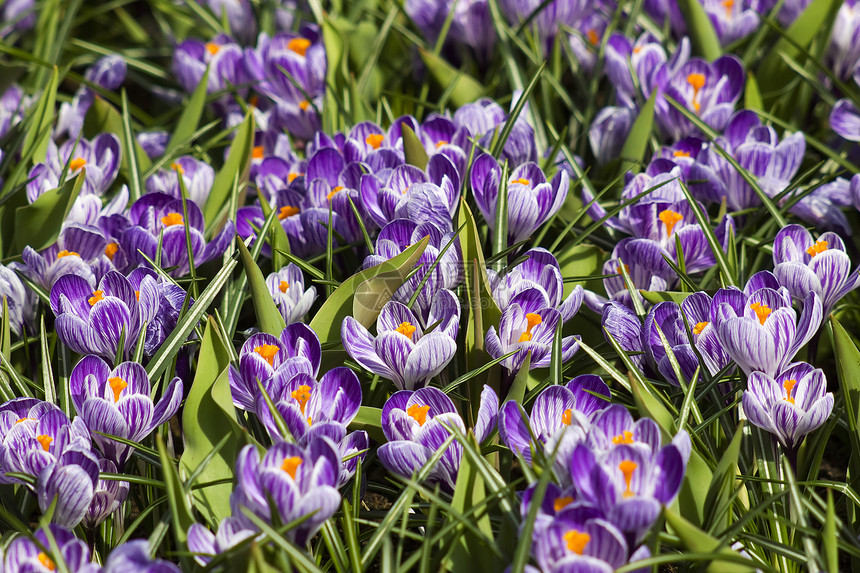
614, 426
416, 424
17, 16
135, 556
239, 15
108, 496
158, 218
789, 405
532, 200
401, 351
80, 250
107, 73
803, 265
21, 302
609, 131
844, 49
560, 419
72, 483
197, 176
171, 298
296, 350
99, 158
310, 409
540, 271
221, 56
94, 321
399, 235
287, 288
24, 555
526, 327
471, 24
759, 329
733, 20
845, 120
153, 143
117, 402
292, 481
548, 17
205, 545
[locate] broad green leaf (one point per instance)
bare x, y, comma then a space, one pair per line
38, 225
722, 487
699, 541
190, 118
205, 425
517, 393
40, 121
848, 368
326, 323
369, 419
180, 504
656, 297
469, 492
636, 143
463, 88
752, 93
268, 315
700, 29
413, 149
235, 166
829, 536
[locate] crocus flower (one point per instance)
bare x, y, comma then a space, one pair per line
72, 484
803, 265
526, 327
158, 219
532, 200
99, 158
559, 419
296, 350
471, 24
107, 497
80, 250
614, 425
758, 149
117, 402
134, 555
222, 57
171, 298
789, 405
732, 21
844, 49
416, 424
547, 18
760, 330
287, 288
399, 235
21, 301
24, 555
197, 177
239, 15
845, 120
292, 481
540, 271
17, 16
609, 131
401, 351
107, 73
95, 321
205, 545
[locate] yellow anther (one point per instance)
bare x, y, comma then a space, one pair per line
257, 152
334, 192
680, 153
45, 441
374, 140
24, 420
288, 211
624, 438
818, 247
561, 502
728, 5
178, 168
292, 177
299, 45
283, 286
302, 395
762, 311
97, 296
46, 561
65, 253
627, 468
304, 105
441, 143
406, 329
77, 163
212, 48
111, 249
697, 81
533, 320
670, 219
291, 464
593, 38
172, 219
520, 180
117, 385
700, 326
577, 540
268, 352
567, 417
788, 386
418, 413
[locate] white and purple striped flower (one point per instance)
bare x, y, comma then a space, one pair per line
117, 402
789, 405
135, 555
205, 545
287, 287
24, 555
401, 351
416, 424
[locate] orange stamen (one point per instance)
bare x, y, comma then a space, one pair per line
212, 48
77, 163
418, 413
292, 177
290, 465
818, 247
45, 441
593, 37
576, 541
97, 296
520, 180
299, 45
65, 253
680, 153
257, 152
441, 143
561, 502
334, 192
670, 219
172, 219
304, 105
302, 395
288, 211
624, 438
789, 385
567, 417
46, 562
627, 467
728, 5
762, 311
178, 168
406, 329
268, 352
374, 140
700, 326
533, 320
117, 384
697, 81
111, 249
283, 286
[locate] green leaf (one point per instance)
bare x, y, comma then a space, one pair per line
413, 149
268, 315
722, 487
700, 29
848, 368
829, 536
517, 393
326, 323
469, 492
369, 419
38, 225
205, 425
752, 93
40, 122
463, 87
180, 504
636, 143
699, 541
656, 297
277, 237
103, 117
190, 118
235, 166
